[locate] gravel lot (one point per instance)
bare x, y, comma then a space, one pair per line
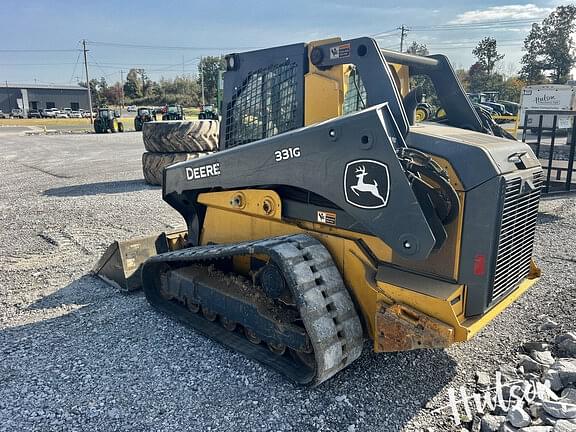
78, 355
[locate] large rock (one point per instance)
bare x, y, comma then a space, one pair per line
543, 392
507, 427
561, 374
491, 423
560, 410
509, 373
564, 336
536, 429
181, 136
518, 417
535, 346
565, 426
482, 380
153, 164
543, 357
567, 344
529, 364
548, 324
568, 395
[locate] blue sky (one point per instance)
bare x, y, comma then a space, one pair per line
227, 26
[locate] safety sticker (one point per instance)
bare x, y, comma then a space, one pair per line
325, 217
340, 51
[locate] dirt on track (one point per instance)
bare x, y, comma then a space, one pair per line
79, 355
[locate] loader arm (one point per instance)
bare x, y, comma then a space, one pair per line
320, 159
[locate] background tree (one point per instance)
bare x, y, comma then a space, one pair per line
132, 85
550, 47
478, 78
487, 54
422, 80
210, 66
98, 89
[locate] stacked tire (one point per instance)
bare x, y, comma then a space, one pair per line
170, 142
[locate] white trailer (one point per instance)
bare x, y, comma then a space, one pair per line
550, 97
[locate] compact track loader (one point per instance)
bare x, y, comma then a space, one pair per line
330, 217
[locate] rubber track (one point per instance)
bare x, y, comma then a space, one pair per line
323, 301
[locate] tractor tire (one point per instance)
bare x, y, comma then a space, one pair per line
137, 125
422, 114
181, 136
113, 126
153, 164
440, 113
120, 127
201, 116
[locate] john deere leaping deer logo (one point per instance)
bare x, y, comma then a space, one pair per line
367, 184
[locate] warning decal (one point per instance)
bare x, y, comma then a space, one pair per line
340, 51
326, 217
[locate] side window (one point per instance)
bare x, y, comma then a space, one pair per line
264, 106
355, 97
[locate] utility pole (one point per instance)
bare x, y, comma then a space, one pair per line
121, 91
403, 32
87, 80
202, 82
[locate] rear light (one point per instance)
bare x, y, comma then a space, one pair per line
479, 265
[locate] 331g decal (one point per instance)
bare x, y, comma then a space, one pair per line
287, 153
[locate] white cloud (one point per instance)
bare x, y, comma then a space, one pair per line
500, 13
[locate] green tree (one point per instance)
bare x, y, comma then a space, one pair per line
464, 78
550, 47
511, 89
132, 86
487, 54
421, 80
209, 67
98, 89
418, 49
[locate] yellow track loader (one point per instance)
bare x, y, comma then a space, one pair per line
329, 216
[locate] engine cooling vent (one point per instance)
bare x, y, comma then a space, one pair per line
516, 239
265, 105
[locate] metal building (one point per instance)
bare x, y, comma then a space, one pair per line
40, 96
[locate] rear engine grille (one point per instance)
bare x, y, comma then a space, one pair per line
516, 239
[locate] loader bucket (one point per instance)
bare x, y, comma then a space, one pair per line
122, 261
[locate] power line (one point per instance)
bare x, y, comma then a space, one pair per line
75, 66
40, 50
166, 47
481, 23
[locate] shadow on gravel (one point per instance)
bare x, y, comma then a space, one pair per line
156, 370
102, 188
547, 218
82, 291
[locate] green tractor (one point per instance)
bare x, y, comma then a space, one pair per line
173, 112
107, 120
144, 115
208, 113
